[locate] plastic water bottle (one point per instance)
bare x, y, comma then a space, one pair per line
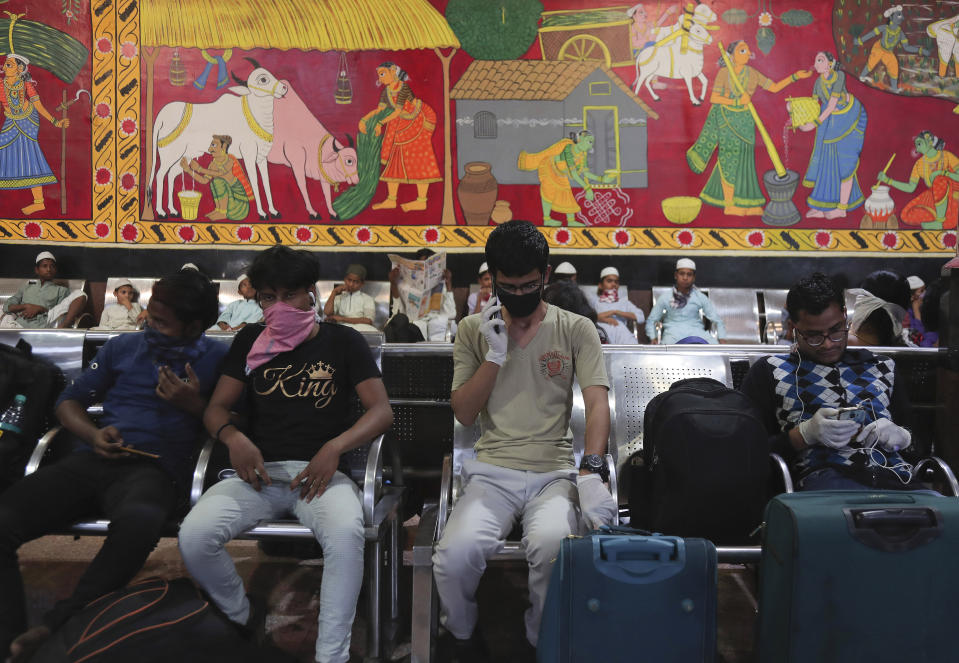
12, 419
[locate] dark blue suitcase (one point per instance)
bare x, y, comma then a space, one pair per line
658, 593
856, 576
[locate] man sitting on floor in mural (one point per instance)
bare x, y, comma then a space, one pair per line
733, 184
802, 396
153, 386
519, 357
44, 303
295, 378
555, 166
231, 190
936, 208
890, 36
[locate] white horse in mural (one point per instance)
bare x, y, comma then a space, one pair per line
670, 60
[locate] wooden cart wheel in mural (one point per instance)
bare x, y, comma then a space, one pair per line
584, 48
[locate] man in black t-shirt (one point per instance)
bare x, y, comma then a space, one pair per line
298, 377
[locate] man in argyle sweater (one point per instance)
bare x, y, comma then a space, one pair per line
800, 395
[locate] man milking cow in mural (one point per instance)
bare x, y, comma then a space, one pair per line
231, 189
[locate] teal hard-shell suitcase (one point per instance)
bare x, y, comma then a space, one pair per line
621, 598
859, 576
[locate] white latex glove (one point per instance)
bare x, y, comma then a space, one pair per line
824, 428
887, 434
595, 502
494, 331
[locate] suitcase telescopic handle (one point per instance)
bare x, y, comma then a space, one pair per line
892, 529
639, 558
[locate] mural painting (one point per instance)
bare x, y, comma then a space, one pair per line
753, 126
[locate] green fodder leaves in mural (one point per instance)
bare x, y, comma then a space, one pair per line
502, 30
46, 47
574, 19
735, 16
765, 40
796, 18
355, 199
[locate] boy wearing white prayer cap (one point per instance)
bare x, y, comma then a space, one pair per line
613, 311
564, 271
242, 312
41, 303
127, 312
682, 311
477, 300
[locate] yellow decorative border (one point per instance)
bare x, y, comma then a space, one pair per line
129, 122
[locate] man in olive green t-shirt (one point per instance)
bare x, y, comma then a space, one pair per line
513, 370
43, 303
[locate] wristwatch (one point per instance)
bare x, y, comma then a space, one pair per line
596, 464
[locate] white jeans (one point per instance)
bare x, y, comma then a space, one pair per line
493, 499
232, 506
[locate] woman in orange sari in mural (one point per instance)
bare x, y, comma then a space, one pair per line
407, 151
937, 208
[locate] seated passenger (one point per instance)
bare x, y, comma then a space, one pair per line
153, 386
477, 300
295, 380
349, 305
564, 272
242, 312
518, 357
801, 396
44, 303
881, 302
405, 326
683, 310
127, 312
912, 321
613, 313
567, 296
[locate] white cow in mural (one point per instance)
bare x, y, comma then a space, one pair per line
184, 130
671, 60
945, 32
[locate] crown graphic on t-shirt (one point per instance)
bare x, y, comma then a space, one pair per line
320, 371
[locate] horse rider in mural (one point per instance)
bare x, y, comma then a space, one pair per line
890, 36
407, 151
555, 166
936, 208
22, 164
231, 190
733, 184
840, 130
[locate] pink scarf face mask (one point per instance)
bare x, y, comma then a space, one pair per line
609, 296
286, 327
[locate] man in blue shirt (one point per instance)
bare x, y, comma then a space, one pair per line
153, 386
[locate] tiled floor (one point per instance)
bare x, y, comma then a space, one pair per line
290, 586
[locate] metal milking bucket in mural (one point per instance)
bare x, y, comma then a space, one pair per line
189, 199
344, 89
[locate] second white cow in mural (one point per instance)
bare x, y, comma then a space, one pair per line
184, 130
677, 55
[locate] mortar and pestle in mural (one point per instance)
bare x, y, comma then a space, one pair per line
597, 121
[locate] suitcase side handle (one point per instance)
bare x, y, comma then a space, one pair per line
634, 559
894, 529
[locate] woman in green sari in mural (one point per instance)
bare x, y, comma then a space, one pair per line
733, 184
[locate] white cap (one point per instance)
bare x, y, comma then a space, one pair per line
190, 265
608, 271
483, 268
123, 282
685, 263
915, 282
44, 255
892, 10
240, 279
564, 268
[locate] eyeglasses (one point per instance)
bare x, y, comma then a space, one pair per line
817, 338
524, 289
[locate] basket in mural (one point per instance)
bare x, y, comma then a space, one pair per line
587, 34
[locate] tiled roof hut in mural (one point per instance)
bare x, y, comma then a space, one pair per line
503, 107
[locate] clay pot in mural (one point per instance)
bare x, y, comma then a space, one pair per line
501, 212
477, 192
879, 205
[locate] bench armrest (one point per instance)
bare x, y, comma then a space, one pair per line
199, 472
779, 465
43, 444
446, 488
373, 479
613, 485
935, 465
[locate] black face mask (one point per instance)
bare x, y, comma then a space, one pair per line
520, 306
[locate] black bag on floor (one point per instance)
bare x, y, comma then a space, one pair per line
154, 620
704, 466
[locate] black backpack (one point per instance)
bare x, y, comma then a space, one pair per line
41, 382
704, 467
153, 620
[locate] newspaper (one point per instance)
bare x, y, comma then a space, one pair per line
421, 283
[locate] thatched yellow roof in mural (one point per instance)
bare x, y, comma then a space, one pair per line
314, 25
